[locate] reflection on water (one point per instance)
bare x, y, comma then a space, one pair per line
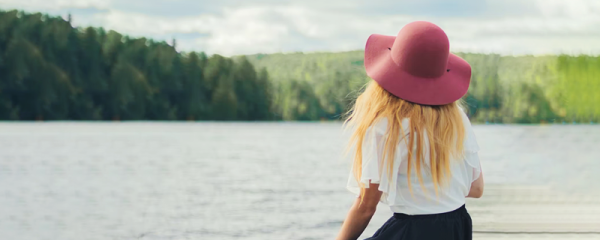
254, 180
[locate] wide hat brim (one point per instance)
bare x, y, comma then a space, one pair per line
442, 90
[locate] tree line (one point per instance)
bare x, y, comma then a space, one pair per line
504, 89
50, 70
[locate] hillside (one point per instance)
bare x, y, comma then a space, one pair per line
507, 89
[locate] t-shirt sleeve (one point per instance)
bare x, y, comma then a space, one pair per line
472, 159
372, 154
471, 148
372, 164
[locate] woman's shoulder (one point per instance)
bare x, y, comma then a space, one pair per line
463, 113
470, 144
381, 125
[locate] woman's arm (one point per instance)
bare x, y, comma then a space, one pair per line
477, 187
360, 214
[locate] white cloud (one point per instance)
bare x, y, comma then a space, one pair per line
50, 5
577, 9
517, 27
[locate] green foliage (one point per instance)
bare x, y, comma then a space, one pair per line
485, 92
313, 86
504, 89
52, 71
577, 88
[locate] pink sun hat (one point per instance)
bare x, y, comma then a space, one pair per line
417, 66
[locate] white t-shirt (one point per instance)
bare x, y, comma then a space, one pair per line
396, 193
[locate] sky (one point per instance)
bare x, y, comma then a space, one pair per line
234, 27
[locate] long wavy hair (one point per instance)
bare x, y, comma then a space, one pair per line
443, 125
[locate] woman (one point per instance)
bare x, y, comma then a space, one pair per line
413, 101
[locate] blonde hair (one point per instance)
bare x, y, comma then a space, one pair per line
443, 125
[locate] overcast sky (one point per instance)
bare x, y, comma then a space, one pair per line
231, 27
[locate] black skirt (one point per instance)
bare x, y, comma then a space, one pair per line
455, 225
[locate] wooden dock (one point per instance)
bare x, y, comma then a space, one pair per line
530, 212
525, 212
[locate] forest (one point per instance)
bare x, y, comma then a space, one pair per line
504, 89
50, 70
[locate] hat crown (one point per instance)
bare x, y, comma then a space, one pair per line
421, 49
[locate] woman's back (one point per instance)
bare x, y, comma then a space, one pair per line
423, 199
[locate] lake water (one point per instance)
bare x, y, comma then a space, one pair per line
112, 181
